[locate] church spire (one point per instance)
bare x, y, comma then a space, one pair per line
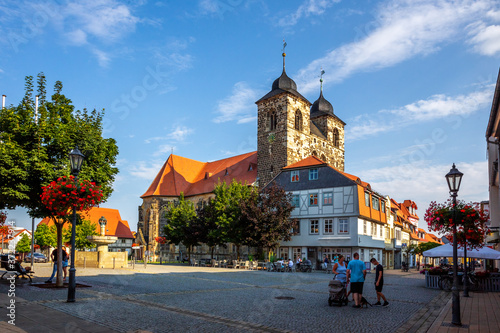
283, 54
321, 80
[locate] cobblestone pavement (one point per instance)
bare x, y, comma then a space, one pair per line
171, 298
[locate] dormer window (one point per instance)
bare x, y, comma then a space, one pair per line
227, 172
313, 174
250, 168
294, 176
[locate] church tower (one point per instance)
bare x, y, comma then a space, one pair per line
290, 129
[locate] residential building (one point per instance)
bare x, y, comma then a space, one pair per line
338, 213
493, 151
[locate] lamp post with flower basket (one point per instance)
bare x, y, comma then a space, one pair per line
67, 194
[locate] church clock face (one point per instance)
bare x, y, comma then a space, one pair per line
271, 138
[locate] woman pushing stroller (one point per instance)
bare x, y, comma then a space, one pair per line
338, 293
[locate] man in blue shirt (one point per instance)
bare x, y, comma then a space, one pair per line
356, 273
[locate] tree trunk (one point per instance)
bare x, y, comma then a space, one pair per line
238, 252
59, 277
189, 254
213, 250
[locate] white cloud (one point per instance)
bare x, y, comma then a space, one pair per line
77, 37
173, 56
435, 107
239, 106
146, 170
308, 8
178, 135
487, 40
102, 57
106, 19
404, 29
424, 182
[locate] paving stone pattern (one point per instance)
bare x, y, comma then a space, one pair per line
184, 299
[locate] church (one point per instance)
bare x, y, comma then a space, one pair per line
289, 129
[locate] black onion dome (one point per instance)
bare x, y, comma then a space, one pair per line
284, 83
321, 106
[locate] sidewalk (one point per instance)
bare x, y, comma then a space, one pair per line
479, 312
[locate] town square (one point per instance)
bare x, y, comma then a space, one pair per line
217, 165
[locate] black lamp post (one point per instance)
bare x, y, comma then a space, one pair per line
454, 178
76, 158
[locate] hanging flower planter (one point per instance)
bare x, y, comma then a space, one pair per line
64, 194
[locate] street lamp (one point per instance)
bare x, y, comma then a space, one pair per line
76, 158
454, 178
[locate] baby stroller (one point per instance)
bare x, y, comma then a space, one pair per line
338, 294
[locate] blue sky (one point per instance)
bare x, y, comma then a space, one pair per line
412, 79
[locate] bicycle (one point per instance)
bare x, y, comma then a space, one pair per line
472, 281
445, 282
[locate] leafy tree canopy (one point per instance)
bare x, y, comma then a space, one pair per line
24, 244
83, 229
45, 236
35, 149
183, 225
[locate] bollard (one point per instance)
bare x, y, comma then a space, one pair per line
84, 262
114, 262
133, 263
145, 262
160, 260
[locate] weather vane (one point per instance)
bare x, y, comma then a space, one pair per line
284, 54
321, 78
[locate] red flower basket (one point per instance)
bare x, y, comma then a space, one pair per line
64, 194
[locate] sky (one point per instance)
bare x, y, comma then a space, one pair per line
412, 79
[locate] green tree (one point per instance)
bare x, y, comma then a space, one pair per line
183, 225
24, 244
230, 227
35, 150
267, 219
84, 228
45, 236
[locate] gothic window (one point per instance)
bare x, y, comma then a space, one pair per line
336, 138
323, 157
298, 121
271, 120
314, 153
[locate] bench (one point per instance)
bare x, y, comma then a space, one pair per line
15, 269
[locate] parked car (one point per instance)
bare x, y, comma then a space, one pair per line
38, 257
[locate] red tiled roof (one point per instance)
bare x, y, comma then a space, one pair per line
114, 227
306, 162
180, 174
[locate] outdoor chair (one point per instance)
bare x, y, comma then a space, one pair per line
236, 264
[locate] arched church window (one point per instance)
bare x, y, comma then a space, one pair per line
314, 153
323, 157
298, 120
272, 120
336, 138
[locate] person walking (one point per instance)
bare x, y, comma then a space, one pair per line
379, 282
356, 273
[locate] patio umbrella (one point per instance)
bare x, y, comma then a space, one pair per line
446, 250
